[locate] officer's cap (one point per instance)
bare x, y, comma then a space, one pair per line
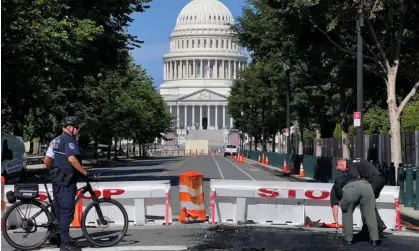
69, 121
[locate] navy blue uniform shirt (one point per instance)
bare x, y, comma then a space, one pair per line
64, 147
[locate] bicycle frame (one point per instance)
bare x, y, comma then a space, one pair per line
84, 190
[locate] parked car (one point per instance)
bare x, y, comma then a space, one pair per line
13, 158
230, 150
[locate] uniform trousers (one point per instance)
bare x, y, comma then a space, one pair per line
358, 193
66, 199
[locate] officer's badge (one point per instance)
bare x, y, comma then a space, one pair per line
71, 145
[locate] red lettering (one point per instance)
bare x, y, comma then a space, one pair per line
266, 193
97, 193
310, 195
292, 194
107, 193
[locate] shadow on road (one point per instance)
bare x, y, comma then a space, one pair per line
174, 180
122, 172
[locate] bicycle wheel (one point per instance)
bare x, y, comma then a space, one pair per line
89, 223
13, 227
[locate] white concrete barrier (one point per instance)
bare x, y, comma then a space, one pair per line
283, 202
146, 202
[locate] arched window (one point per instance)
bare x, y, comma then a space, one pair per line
187, 43
199, 43
222, 44
205, 43
211, 43
216, 43
183, 44
193, 43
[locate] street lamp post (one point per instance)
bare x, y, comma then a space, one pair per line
242, 129
359, 84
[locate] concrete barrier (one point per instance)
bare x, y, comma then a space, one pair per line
283, 202
146, 202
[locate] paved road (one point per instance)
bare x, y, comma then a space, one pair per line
199, 237
206, 237
212, 167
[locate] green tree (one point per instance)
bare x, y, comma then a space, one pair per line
390, 35
376, 121
410, 119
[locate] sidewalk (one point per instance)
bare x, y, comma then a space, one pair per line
408, 214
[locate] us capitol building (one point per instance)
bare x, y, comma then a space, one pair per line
199, 70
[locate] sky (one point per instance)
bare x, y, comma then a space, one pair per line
154, 27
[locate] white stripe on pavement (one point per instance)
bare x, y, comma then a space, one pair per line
127, 248
219, 169
248, 175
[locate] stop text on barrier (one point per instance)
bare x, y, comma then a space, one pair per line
292, 193
107, 194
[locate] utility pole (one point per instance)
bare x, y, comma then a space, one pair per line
359, 84
286, 69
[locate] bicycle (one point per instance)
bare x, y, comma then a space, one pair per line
28, 194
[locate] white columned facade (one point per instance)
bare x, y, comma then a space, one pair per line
216, 117
200, 117
224, 116
193, 115
186, 116
209, 115
177, 116
186, 81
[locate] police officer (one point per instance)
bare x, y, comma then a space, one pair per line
67, 164
367, 171
349, 191
49, 163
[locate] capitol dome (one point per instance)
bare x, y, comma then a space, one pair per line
204, 12
203, 61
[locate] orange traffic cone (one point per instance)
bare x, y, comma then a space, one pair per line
266, 161
285, 167
78, 213
302, 173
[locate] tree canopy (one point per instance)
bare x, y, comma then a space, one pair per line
72, 57
316, 42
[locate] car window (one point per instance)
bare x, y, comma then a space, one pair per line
230, 146
15, 144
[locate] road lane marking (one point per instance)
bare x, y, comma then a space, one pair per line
248, 175
219, 169
179, 164
127, 248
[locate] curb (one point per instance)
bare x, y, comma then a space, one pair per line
409, 219
278, 171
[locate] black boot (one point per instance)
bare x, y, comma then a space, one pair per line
375, 243
55, 240
69, 247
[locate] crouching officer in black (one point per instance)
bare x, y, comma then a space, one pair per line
366, 171
67, 166
349, 191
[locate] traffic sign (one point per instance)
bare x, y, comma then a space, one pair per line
357, 119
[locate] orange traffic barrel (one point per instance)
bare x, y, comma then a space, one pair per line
191, 196
78, 213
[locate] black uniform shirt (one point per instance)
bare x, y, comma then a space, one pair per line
367, 171
336, 192
363, 169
